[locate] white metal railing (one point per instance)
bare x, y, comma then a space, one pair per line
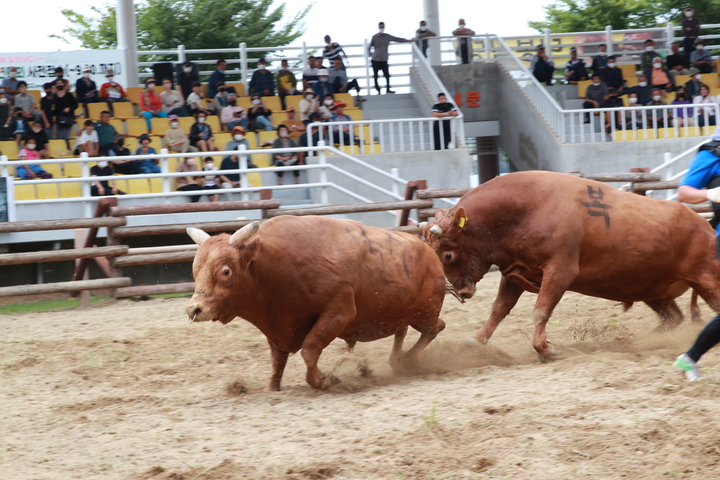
675, 167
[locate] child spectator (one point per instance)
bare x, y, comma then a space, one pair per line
262, 82
176, 139
194, 103
188, 183
26, 102
201, 134
149, 165
111, 91
150, 103
285, 159
210, 182
103, 187
19, 125
85, 87
173, 102
233, 116
682, 116
41, 141
87, 141
29, 172
259, 115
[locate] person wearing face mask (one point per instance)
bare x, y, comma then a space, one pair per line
291, 121
186, 78
233, 115
30, 172
150, 103
87, 141
148, 165
286, 82
64, 106
217, 77
705, 115
692, 86
231, 162
41, 141
9, 84
422, 34
682, 116
111, 91
26, 102
188, 183
642, 89
575, 67
634, 118
378, 53
308, 105
701, 58
600, 60
691, 31
612, 75
60, 75
176, 138
262, 81
541, 66
595, 94
659, 77
310, 73
201, 136
85, 88
46, 108
325, 105
647, 57
100, 188
332, 50
657, 118
259, 115
464, 50
210, 181
194, 102
612, 101
323, 88
173, 102
285, 159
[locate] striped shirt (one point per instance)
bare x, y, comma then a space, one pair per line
332, 51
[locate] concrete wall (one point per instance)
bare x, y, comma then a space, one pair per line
475, 77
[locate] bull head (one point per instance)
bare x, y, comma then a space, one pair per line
197, 235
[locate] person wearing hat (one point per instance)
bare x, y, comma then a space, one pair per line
186, 78
323, 87
464, 44
541, 66
575, 67
691, 31
85, 87
148, 165
259, 116
308, 105
150, 103
111, 91
262, 82
176, 138
173, 102
233, 115
703, 173
294, 125
286, 82
343, 132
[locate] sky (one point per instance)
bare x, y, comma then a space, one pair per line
345, 22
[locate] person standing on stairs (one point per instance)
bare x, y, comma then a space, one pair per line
378, 53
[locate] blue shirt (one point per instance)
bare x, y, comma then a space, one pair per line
215, 77
704, 167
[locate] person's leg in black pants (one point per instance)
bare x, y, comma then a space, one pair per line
688, 47
376, 69
464, 51
587, 104
191, 187
386, 73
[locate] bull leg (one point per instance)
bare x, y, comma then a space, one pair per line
555, 283
427, 334
507, 297
668, 311
708, 287
694, 308
279, 360
350, 345
396, 354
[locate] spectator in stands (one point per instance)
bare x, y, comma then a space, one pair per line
332, 50
575, 67
701, 58
595, 94
600, 60
30, 172
612, 101
232, 162
325, 106
308, 105
677, 64
323, 87
85, 88
702, 98
124, 167
692, 86
262, 82
118, 149
6, 118
682, 116
19, 125
643, 90
60, 75
150, 103
634, 117
315, 136
201, 136
87, 141
149, 165
217, 77
659, 77
378, 52
339, 80
295, 126
9, 84
233, 115
342, 132
173, 102
64, 110
26, 102
285, 159
286, 82
259, 116
221, 97
188, 183
210, 181
541, 66
194, 102
611, 75
41, 141
46, 108
111, 91
310, 74
464, 50
176, 138
103, 187
646, 58
106, 133
657, 117
691, 32
421, 35
443, 109
187, 79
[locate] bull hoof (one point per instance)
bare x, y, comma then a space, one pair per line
472, 342
329, 381
551, 355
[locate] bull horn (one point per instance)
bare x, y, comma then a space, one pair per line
422, 225
239, 238
197, 235
436, 230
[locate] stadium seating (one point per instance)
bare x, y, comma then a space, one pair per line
37, 95
582, 87
628, 71
273, 103
156, 185
72, 169
47, 190
159, 126
222, 139
54, 168
354, 113
10, 149
94, 109
136, 127
133, 94
630, 135
267, 136
294, 101
668, 133
25, 192
186, 123
244, 102
214, 122
346, 98
239, 88
124, 110
58, 148
70, 190
137, 186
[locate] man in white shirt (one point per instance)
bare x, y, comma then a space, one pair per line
88, 140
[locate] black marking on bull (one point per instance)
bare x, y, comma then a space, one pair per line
407, 270
596, 196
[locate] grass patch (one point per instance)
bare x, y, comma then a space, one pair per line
46, 305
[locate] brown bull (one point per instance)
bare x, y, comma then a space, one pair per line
550, 232
304, 281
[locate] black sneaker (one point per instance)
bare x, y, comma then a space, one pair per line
390, 91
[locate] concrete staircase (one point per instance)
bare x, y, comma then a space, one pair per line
396, 106
567, 97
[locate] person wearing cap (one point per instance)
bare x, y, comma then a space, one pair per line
294, 125
287, 158
308, 105
541, 66
600, 60
691, 31
378, 53
323, 87
611, 75
217, 77
9, 84
259, 116
262, 82
233, 115
106, 133
575, 67
703, 173
176, 138
464, 50
85, 87
701, 58
150, 103
421, 35
111, 91
286, 82
343, 132
148, 165
173, 102
186, 78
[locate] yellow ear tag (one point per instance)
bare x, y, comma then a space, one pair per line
461, 224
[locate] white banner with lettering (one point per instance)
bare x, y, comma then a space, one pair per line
38, 68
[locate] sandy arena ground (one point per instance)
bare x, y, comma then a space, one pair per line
128, 390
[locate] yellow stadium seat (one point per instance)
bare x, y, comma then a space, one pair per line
159, 126
124, 110
209, 103
54, 168
10, 149
137, 186
204, 90
239, 88
133, 93
346, 98
351, 149
354, 113
136, 126
214, 122
37, 95
251, 137
156, 185
255, 179
669, 97
628, 71
80, 110
709, 79
262, 160
244, 102
73, 169
47, 190
631, 82
267, 136
273, 103
682, 79
70, 190
582, 87
293, 101
25, 192
697, 131
58, 148
668, 133
94, 109
118, 124
222, 139
186, 123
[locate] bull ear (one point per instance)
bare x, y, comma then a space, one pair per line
439, 215
197, 235
238, 238
460, 218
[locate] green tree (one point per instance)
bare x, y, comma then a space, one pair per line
591, 15
708, 11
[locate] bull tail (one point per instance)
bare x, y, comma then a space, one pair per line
694, 308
